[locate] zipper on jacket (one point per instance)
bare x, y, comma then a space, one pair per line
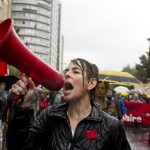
70, 135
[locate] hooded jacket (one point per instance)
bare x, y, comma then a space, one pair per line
98, 131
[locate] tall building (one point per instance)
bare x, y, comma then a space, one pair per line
5, 12
38, 23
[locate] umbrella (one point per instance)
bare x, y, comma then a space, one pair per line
118, 77
136, 91
123, 93
9, 80
121, 88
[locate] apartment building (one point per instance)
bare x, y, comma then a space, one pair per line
38, 23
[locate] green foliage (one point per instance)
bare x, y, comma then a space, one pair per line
143, 69
131, 70
13, 71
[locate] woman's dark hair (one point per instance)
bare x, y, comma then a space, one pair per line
89, 71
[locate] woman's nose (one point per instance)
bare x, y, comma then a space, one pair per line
67, 74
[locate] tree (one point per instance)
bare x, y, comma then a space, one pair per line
131, 70
143, 69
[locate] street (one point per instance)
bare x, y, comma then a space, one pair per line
137, 137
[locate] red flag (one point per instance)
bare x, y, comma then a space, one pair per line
3, 69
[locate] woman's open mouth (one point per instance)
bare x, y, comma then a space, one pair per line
68, 87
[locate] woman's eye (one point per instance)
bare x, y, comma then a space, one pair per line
76, 72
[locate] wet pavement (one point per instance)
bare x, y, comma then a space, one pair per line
138, 137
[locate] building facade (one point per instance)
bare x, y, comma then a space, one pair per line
5, 12
38, 23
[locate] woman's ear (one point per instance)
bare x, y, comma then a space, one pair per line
92, 83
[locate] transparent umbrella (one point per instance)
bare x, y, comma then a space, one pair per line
121, 88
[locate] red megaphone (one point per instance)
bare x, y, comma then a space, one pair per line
14, 52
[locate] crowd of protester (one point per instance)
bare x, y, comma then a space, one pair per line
109, 101
42, 99
19, 116
112, 103
139, 98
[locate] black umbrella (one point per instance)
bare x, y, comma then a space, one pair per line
9, 80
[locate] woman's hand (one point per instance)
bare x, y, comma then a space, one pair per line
25, 87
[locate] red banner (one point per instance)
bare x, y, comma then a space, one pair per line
137, 113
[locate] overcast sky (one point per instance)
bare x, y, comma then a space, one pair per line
109, 33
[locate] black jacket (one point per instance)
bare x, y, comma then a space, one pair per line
99, 131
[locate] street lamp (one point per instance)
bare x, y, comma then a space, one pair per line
149, 48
